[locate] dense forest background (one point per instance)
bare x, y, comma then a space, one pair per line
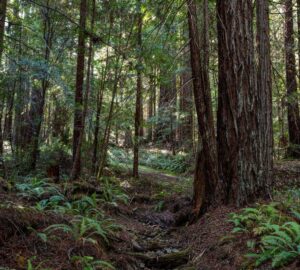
168, 113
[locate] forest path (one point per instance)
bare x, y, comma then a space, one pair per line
158, 206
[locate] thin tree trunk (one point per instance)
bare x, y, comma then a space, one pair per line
206, 173
291, 83
75, 173
78, 114
186, 107
151, 107
3, 5
138, 104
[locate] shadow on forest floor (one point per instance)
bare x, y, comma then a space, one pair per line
152, 225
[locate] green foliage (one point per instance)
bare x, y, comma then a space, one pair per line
179, 163
274, 229
112, 192
52, 203
280, 246
86, 229
35, 188
166, 162
159, 206
89, 263
54, 153
256, 220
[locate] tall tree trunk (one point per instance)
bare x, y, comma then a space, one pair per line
76, 162
99, 102
78, 113
238, 110
3, 4
151, 102
186, 107
264, 89
38, 95
138, 104
291, 83
206, 173
165, 132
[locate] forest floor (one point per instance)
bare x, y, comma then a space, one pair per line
155, 233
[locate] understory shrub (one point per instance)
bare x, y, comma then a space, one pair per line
274, 230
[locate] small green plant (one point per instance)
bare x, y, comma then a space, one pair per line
274, 230
52, 203
281, 246
85, 229
159, 206
256, 220
113, 193
89, 263
35, 188
30, 265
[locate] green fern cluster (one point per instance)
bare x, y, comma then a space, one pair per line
112, 193
86, 229
281, 246
255, 220
274, 229
35, 188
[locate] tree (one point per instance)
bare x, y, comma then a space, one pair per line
291, 83
78, 114
76, 161
3, 5
206, 173
138, 103
264, 92
36, 112
238, 130
2, 30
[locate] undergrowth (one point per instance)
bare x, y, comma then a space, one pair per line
87, 223
159, 160
274, 230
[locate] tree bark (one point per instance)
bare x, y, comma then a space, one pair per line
186, 108
3, 5
206, 173
264, 89
75, 173
238, 111
151, 109
78, 113
36, 112
291, 83
138, 104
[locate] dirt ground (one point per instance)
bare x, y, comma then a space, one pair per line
155, 234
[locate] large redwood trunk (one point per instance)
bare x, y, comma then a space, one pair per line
206, 172
291, 83
78, 114
239, 145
